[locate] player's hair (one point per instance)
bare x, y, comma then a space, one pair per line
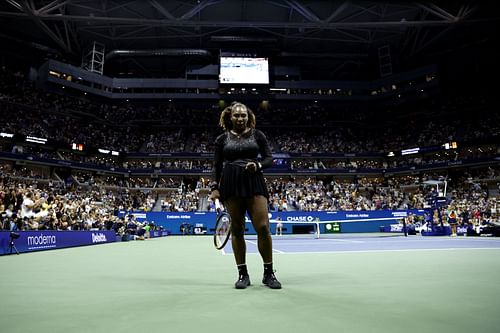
225, 116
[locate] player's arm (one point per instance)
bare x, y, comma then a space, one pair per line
266, 160
217, 168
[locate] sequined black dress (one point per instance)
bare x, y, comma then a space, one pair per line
232, 153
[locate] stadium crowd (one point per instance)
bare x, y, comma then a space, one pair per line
39, 197
165, 127
29, 202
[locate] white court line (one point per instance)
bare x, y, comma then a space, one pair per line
340, 240
473, 239
430, 240
382, 251
398, 250
414, 239
255, 243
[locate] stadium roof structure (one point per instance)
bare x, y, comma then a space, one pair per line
344, 40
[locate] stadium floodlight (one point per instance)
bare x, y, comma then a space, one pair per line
410, 151
35, 139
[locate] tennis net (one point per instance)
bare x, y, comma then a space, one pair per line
375, 227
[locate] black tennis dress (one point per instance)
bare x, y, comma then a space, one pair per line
232, 153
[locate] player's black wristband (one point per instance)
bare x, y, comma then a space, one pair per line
214, 186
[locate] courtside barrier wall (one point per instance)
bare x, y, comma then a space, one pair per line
293, 222
29, 241
204, 223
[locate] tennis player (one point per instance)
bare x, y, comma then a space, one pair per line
239, 183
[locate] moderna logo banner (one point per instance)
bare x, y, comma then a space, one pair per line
46, 240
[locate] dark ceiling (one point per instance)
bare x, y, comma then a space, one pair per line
338, 40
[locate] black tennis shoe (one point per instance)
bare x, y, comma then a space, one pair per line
243, 282
271, 281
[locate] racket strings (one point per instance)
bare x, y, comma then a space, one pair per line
222, 230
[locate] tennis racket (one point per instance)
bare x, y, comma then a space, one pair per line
222, 226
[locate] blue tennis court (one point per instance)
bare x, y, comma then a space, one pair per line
368, 243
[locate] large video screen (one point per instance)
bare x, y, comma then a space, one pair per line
244, 70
